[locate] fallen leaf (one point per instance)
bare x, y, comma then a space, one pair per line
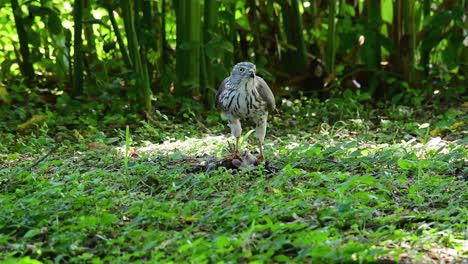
132, 153
4, 95
189, 219
434, 132
34, 120
456, 125
97, 146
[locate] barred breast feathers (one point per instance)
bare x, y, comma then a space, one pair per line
244, 101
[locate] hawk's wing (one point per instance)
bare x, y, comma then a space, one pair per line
221, 88
265, 92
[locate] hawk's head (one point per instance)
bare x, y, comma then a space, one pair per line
243, 71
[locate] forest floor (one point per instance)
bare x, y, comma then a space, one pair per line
341, 184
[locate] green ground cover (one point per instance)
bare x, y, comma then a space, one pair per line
341, 184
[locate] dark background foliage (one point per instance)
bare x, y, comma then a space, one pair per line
142, 51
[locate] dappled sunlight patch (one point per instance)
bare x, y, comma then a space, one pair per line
202, 154
406, 252
208, 144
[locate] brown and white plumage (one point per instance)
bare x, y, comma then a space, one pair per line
245, 95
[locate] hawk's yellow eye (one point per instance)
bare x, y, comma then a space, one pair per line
241, 69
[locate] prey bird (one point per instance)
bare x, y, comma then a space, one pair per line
243, 95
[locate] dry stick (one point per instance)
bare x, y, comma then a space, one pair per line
52, 150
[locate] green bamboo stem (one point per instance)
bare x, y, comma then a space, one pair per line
188, 20
118, 35
232, 36
164, 48
253, 21
78, 48
90, 48
24, 62
295, 59
372, 43
409, 26
140, 68
464, 52
144, 25
331, 42
210, 28
425, 55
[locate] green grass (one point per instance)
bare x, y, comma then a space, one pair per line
340, 186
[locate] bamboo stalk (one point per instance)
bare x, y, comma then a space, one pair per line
410, 37
90, 47
210, 28
164, 57
295, 59
424, 52
24, 62
188, 20
140, 68
372, 43
118, 35
231, 35
144, 25
331, 45
464, 53
78, 47
253, 21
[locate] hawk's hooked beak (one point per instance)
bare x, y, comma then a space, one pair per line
252, 74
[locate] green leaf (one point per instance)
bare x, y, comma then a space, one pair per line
13, 156
387, 11
35, 10
425, 125
26, 260
226, 45
406, 164
32, 233
314, 152
112, 140
54, 24
215, 47
450, 53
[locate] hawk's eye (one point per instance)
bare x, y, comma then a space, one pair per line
241, 69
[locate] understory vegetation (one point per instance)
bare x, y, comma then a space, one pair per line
342, 183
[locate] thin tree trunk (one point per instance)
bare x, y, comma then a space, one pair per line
210, 29
164, 47
231, 36
188, 20
144, 25
425, 53
410, 39
118, 35
295, 59
90, 48
24, 62
397, 32
331, 41
78, 48
253, 21
372, 44
140, 68
464, 53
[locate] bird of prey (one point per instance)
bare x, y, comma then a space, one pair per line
243, 95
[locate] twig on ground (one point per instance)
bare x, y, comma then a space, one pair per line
52, 150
